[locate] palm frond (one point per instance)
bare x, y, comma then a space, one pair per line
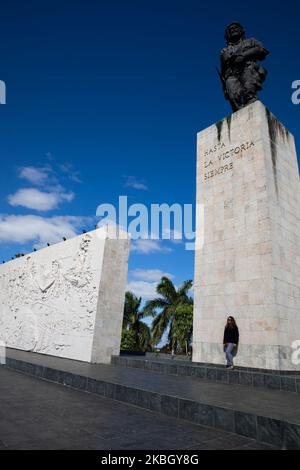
184, 288
131, 308
167, 289
161, 323
144, 335
152, 305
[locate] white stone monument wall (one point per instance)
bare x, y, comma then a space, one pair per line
249, 265
67, 300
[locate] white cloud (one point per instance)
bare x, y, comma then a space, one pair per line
69, 171
146, 290
175, 236
133, 182
34, 175
23, 229
33, 198
148, 246
150, 275
145, 281
66, 196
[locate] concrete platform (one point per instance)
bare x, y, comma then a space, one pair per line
40, 415
268, 416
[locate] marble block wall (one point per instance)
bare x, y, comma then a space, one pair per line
249, 263
67, 300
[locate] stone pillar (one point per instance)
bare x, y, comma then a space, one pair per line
67, 300
249, 263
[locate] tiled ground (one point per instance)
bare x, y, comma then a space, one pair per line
35, 414
274, 404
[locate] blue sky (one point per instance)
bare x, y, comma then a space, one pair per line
105, 99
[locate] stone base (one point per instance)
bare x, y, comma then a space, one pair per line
248, 264
270, 357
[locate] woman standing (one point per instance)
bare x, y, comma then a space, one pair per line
231, 340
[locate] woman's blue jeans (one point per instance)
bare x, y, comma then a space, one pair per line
228, 351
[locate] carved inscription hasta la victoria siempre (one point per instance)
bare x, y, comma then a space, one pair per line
222, 162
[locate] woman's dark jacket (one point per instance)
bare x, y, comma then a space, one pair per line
231, 335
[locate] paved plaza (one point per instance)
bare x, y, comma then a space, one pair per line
36, 414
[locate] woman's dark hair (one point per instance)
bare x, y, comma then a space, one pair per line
231, 322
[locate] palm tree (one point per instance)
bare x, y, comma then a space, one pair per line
132, 321
170, 299
182, 327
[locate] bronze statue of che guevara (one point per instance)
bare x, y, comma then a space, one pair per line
241, 75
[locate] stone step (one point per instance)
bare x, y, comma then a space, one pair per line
269, 416
273, 380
